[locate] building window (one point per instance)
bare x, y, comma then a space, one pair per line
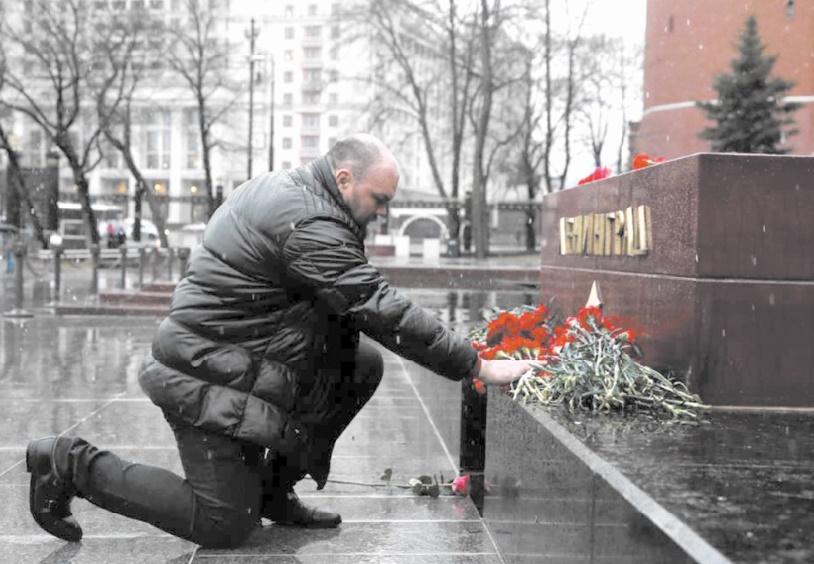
334, 8
113, 157
286, 142
158, 149
288, 76
670, 23
289, 33
333, 75
334, 54
311, 75
310, 97
312, 53
312, 10
137, 4
335, 32
287, 121
288, 55
159, 137
34, 148
313, 31
333, 121
333, 98
310, 142
331, 142
310, 120
286, 165
289, 10
193, 157
288, 99
159, 118
790, 9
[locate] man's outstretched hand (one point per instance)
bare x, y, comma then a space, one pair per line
501, 372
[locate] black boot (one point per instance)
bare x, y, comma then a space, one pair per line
285, 508
51, 490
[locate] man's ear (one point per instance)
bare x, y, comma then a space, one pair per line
342, 177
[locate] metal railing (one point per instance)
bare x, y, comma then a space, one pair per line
152, 264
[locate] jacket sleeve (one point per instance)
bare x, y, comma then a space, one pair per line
325, 256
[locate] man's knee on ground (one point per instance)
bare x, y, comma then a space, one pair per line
370, 364
224, 528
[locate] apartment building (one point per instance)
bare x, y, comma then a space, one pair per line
301, 75
287, 105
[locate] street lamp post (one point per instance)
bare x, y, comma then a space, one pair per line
271, 119
251, 95
19, 256
55, 242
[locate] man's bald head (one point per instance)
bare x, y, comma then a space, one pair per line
360, 153
366, 173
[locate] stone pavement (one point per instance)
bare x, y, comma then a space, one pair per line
77, 376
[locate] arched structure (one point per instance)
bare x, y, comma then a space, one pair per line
433, 218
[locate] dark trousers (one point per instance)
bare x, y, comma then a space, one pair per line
219, 502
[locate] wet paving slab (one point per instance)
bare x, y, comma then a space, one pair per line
77, 375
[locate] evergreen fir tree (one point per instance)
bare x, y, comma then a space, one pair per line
750, 115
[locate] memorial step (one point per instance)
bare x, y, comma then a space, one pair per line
127, 297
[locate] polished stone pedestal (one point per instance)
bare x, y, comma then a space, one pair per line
710, 257
582, 488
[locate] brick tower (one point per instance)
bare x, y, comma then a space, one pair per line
688, 43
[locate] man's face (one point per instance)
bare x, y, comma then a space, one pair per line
368, 197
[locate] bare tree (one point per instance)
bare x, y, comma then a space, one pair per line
431, 46
561, 91
597, 82
461, 77
553, 94
609, 66
480, 220
629, 77
433, 64
48, 71
18, 184
531, 149
130, 59
500, 73
202, 61
14, 172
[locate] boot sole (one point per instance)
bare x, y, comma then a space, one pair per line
313, 525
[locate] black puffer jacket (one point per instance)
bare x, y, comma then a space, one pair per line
282, 264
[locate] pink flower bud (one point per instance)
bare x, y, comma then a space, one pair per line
461, 485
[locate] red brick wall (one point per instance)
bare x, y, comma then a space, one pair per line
689, 42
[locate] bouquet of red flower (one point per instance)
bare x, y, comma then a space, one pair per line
585, 363
642, 160
599, 173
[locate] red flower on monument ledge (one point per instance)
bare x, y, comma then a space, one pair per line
643, 160
599, 173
